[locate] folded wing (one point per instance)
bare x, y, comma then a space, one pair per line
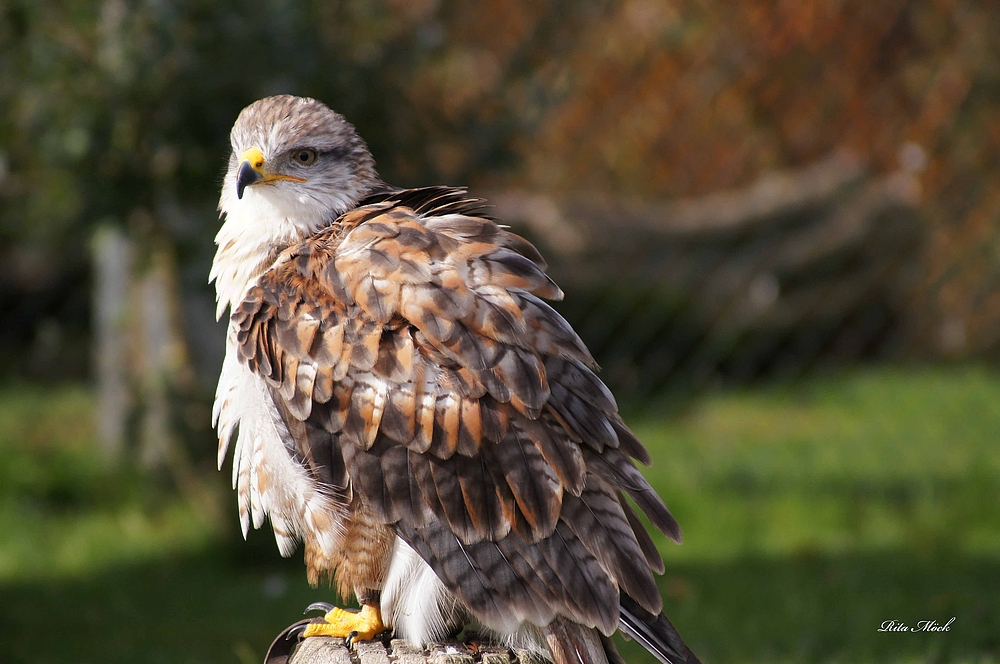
465, 409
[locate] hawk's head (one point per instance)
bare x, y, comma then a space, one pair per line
296, 166
295, 155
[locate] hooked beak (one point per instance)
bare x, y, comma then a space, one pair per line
252, 171
246, 176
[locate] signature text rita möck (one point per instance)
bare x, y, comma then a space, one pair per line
921, 626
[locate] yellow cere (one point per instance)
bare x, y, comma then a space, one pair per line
256, 159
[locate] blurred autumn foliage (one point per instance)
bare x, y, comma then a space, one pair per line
117, 112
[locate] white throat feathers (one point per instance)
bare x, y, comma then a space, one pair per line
296, 166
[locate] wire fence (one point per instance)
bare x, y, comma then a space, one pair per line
802, 268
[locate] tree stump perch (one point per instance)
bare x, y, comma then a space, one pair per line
324, 650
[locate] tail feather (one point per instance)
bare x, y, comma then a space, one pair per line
573, 643
610, 651
654, 633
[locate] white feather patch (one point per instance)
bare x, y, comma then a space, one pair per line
261, 222
414, 600
421, 610
269, 481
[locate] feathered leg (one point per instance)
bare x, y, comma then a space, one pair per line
365, 561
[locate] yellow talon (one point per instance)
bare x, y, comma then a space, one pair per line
361, 626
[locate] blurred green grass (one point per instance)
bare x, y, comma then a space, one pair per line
813, 512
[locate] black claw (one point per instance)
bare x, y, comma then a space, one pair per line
319, 606
281, 647
296, 631
350, 638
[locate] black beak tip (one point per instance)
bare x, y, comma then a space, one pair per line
245, 177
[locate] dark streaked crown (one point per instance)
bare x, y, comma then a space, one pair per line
280, 124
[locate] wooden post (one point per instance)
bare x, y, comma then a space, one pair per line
112, 254
160, 356
322, 650
140, 357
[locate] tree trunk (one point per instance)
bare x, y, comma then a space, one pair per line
322, 650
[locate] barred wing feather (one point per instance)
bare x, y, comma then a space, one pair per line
464, 409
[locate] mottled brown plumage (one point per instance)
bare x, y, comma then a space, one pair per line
415, 336
432, 395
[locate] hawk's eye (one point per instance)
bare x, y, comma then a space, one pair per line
304, 157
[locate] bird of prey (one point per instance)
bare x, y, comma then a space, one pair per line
411, 410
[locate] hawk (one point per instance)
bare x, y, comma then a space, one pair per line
411, 410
